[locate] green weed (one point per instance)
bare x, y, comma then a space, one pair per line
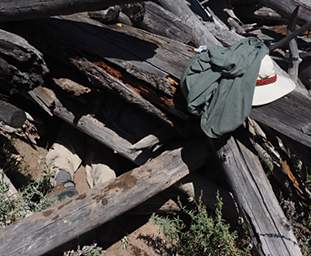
31, 198
90, 250
201, 234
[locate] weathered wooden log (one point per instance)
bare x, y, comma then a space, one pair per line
270, 230
286, 7
64, 222
71, 87
11, 115
288, 116
90, 126
201, 35
33, 9
101, 78
21, 65
159, 21
213, 23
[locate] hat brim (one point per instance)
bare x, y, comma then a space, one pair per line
268, 93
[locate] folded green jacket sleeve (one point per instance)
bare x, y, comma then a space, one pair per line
219, 85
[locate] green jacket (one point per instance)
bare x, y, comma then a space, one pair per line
219, 85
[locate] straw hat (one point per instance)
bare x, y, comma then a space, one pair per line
270, 85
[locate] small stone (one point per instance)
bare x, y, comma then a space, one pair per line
99, 175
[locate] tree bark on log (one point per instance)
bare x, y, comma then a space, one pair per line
67, 221
270, 230
34, 9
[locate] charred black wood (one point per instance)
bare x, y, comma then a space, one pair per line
21, 65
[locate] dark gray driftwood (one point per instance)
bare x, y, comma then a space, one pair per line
11, 115
21, 65
270, 229
32, 9
69, 220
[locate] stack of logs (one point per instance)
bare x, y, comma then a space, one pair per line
119, 84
